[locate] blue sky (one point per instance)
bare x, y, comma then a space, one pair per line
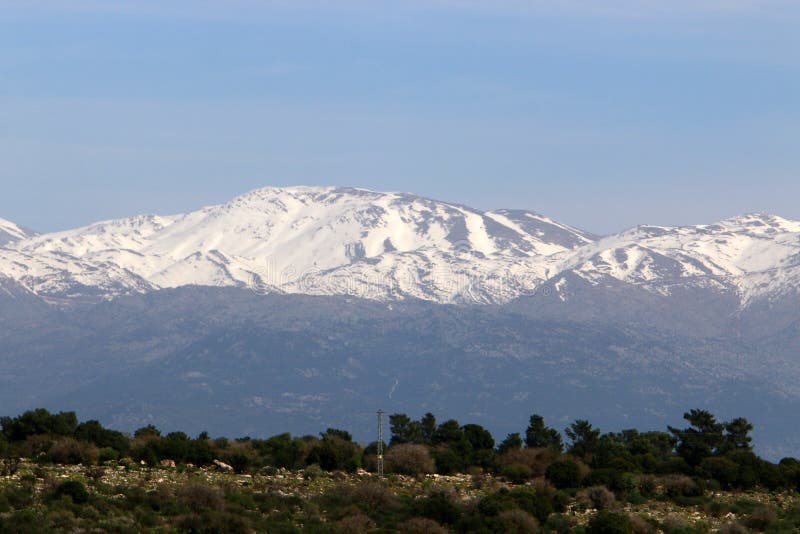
599, 114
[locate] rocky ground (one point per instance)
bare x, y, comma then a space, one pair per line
711, 512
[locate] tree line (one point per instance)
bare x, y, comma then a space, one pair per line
708, 450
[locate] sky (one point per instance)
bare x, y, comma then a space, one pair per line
602, 115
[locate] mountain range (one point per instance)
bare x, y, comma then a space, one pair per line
295, 308
393, 246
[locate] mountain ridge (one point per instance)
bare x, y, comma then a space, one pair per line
160, 318
392, 246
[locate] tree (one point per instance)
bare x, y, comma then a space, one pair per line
428, 427
611, 449
404, 430
448, 432
539, 435
283, 450
737, 435
563, 474
511, 443
481, 445
39, 421
147, 431
93, 432
700, 440
583, 438
343, 434
657, 444
335, 452
479, 438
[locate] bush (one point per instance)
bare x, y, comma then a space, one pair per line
560, 524
355, 524
681, 486
563, 474
73, 489
647, 485
536, 459
8, 467
107, 454
200, 497
597, 497
517, 522
761, 518
618, 481
334, 453
642, 526
733, 528
677, 525
439, 507
517, 473
73, 452
605, 522
421, 525
409, 459
448, 461
374, 496
721, 469
212, 521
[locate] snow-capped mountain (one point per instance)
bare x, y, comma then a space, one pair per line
317, 240
343, 241
160, 317
752, 255
10, 232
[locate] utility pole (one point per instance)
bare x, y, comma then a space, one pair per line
380, 443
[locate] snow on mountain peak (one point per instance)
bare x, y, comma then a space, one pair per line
760, 224
325, 240
10, 232
753, 255
337, 240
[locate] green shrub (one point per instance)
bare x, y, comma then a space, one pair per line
517, 473
447, 461
438, 507
721, 469
677, 525
73, 489
559, 523
597, 497
679, 485
334, 453
563, 474
761, 518
517, 522
421, 525
733, 528
605, 522
107, 454
213, 521
199, 497
647, 485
